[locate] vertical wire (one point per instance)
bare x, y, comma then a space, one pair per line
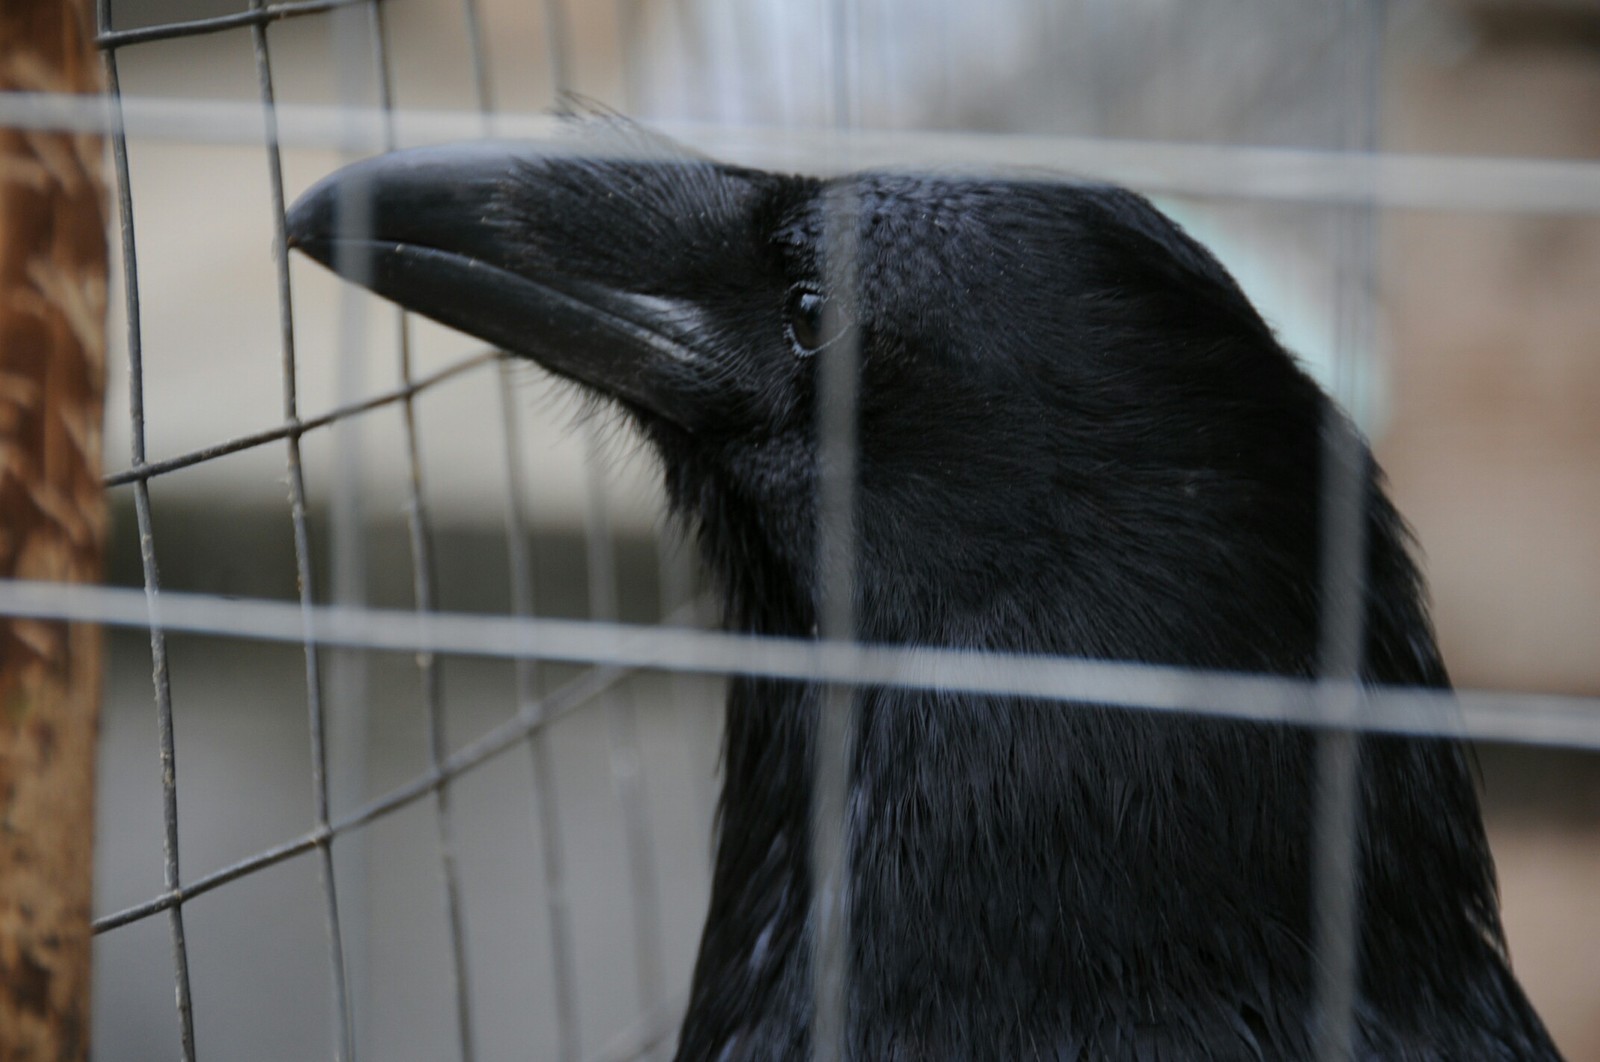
622, 733
483, 92
558, 912
674, 555
675, 584
839, 705
525, 669
531, 711
420, 533
160, 676
1097, 17
348, 671
344, 1043
630, 48
1336, 870
625, 757
622, 740
558, 48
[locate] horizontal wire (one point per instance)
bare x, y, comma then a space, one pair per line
172, 897
298, 427
1436, 182
1513, 717
218, 23
557, 705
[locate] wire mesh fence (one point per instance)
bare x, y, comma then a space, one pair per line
514, 728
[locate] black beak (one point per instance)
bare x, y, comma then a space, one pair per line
447, 232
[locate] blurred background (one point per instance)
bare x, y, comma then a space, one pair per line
1477, 374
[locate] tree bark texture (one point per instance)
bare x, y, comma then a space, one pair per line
52, 524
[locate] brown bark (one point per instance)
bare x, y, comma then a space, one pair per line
52, 522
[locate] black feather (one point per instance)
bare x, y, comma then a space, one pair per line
1077, 437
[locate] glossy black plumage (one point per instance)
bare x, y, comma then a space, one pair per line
1075, 436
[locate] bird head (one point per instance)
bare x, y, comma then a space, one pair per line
1056, 389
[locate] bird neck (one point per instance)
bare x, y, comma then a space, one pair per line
1116, 869
1093, 869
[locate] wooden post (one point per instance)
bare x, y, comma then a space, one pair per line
52, 524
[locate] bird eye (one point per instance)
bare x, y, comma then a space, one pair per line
809, 323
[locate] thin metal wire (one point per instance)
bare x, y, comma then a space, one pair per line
1223, 172
558, 917
344, 1034
150, 470
160, 675
559, 704
675, 584
259, 15
558, 46
630, 47
1480, 715
349, 673
622, 738
482, 86
1336, 825
838, 707
423, 585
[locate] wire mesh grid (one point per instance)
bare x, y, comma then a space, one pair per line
338, 630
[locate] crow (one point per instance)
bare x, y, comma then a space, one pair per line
1074, 436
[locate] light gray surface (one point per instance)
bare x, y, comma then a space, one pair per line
257, 945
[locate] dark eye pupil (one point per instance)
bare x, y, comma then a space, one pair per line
806, 320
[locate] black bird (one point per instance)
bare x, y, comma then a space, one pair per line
1075, 436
